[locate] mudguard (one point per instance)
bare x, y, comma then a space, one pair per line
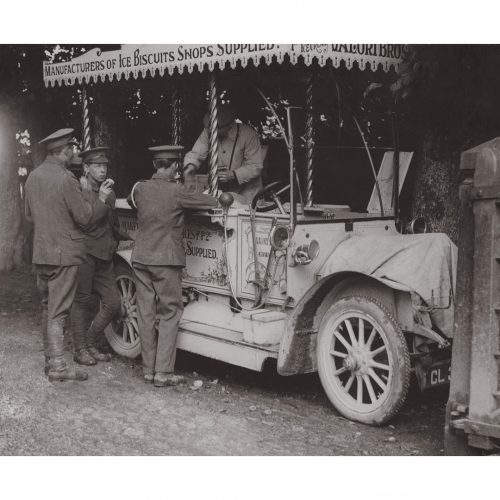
297, 353
404, 272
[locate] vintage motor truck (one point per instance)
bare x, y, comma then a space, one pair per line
336, 292
311, 287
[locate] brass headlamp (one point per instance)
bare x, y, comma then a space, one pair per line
279, 237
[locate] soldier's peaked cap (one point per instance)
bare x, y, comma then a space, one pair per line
95, 155
166, 152
59, 138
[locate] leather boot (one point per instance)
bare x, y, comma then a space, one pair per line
84, 357
58, 370
99, 356
164, 379
79, 327
45, 341
68, 374
94, 352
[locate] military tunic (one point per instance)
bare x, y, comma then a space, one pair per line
55, 203
158, 258
97, 275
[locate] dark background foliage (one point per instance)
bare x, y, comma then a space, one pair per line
445, 96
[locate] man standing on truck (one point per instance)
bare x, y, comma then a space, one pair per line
239, 154
158, 258
96, 274
56, 205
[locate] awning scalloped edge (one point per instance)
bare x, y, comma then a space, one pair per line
142, 60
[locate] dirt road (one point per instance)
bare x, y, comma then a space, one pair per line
235, 412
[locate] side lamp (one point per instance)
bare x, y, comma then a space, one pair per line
306, 253
418, 226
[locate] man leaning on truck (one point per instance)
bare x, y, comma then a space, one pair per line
158, 258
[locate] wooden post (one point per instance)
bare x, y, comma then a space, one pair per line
455, 443
309, 141
213, 179
86, 118
176, 115
474, 403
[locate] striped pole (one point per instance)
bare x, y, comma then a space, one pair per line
213, 179
86, 119
176, 115
309, 141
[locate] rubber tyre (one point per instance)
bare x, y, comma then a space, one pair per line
390, 401
128, 349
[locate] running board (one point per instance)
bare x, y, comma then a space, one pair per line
227, 346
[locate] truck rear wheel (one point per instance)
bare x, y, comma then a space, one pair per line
363, 360
123, 333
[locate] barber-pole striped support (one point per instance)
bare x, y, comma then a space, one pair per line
213, 179
86, 119
176, 116
309, 141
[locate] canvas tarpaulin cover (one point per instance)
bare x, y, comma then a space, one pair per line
425, 264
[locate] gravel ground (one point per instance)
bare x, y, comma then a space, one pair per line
234, 412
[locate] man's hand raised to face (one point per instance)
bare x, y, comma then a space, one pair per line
105, 190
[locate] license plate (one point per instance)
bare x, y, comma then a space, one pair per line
438, 374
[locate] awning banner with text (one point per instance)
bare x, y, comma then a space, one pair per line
144, 60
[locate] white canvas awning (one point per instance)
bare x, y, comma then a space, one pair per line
143, 60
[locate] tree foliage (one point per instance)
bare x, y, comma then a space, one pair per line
13, 88
445, 96
451, 91
26, 113
449, 96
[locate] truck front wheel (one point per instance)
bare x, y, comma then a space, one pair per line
363, 360
123, 333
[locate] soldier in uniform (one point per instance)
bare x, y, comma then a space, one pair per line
56, 205
240, 155
96, 274
158, 258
